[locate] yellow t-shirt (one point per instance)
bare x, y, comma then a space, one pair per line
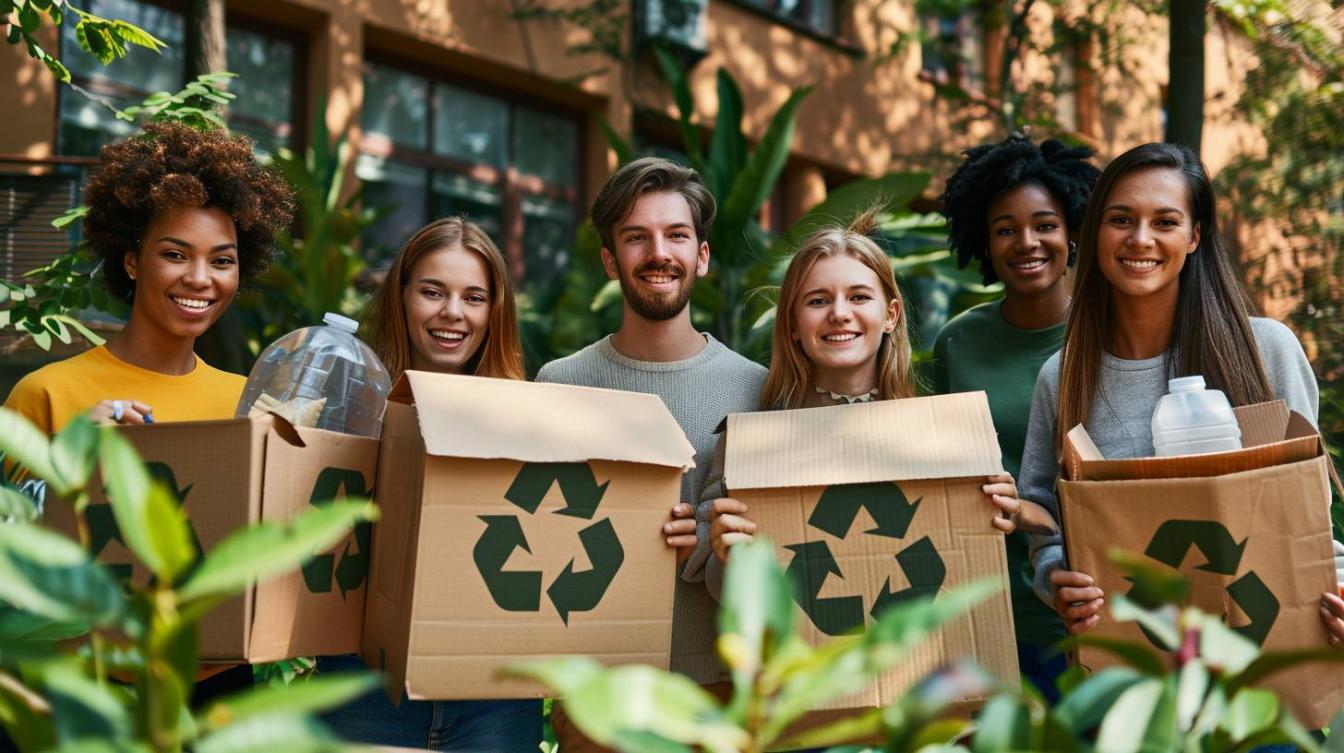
56, 393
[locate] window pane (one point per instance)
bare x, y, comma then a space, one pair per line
141, 69
398, 187
265, 68
470, 126
548, 234
545, 145
394, 105
86, 126
459, 195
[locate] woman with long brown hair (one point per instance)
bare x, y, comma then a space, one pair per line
1158, 297
840, 338
446, 305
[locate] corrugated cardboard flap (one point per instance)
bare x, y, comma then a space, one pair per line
1271, 434
477, 417
947, 436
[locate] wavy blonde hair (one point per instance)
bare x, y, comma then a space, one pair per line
791, 373
501, 355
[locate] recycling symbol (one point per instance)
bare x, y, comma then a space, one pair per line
102, 522
352, 569
834, 514
1222, 554
572, 590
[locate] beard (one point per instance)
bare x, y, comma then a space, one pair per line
657, 307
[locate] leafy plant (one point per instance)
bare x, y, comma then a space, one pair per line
105, 38
68, 627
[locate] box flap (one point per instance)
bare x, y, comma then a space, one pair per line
1262, 423
478, 417
946, 436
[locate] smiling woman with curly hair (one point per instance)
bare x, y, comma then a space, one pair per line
180, 218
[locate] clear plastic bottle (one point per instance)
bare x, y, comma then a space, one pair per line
321, 376
1192, 420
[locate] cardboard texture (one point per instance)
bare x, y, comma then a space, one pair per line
1250, 528
519, 521
873, 503
230, 474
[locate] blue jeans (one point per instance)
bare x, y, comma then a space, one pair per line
1042, 664
508, 726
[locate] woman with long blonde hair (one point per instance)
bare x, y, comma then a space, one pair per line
840, 337
446, 305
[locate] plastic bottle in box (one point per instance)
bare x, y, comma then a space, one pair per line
1192, 420
321, 376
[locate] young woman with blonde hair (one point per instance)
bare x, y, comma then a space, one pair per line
446, 305
840, 338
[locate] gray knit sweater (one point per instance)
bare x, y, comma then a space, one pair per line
699, 392
1120, 420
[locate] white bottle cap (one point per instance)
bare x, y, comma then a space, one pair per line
343, 323
1179, 384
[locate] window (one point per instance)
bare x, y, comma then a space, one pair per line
814, 15
951, 51
433, 149
266, 65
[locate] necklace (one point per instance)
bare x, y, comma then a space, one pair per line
866, 397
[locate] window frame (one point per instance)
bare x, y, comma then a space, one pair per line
839, 39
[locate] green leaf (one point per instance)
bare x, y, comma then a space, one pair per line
1335, 742
137, 36
29, 18
893, 190
728, 146
681, 94
1224, 649
291, 733
1162, 583
27, 727
49, 575
1003, 725
1251, 711
1142, 719
152, 522
69, 217
268, 548
625, 154
25, 444
1084, 708
74, 451
1136, 655
308, 697
81, 706
1273, 662
16, 505
1192, 684
861, 726
1161, 621
757, 613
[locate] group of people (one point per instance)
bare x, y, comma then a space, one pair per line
182, 218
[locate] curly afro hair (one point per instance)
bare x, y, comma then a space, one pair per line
991, 170
170, 166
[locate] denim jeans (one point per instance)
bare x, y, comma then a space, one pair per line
1042, 664
507, 726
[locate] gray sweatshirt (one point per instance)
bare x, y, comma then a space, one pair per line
699, 392
1120, 420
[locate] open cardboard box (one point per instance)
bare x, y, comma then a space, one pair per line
874, 503
1250, 528
230, 474
519, 521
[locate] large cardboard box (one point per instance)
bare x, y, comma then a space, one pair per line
519, 521
230, 474
1250, 528
872, 504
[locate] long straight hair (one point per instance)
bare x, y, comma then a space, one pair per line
1211, 334
791, 372
500, 355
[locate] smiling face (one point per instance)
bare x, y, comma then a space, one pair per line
447, 300
840, 317
1028, 242
1146, 233
657, 256
186, 270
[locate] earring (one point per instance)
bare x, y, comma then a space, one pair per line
1073, 253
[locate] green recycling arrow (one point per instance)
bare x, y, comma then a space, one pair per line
1222, 554
579, 486
514, 591
812, 562
103, 528
353, 568
581, 591
923, 567
885, 502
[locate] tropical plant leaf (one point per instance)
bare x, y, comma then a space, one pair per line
291, 733
25, 444
51, 576
81, 706
15, 505
894, 191
728, 146
1084, 708
1250, 712
311, 696
148, 514
74, 451
1135, 655
757, 614
681, 94
1142, 719
625, 153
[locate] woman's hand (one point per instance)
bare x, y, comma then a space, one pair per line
1077, 599
729, 526
124, 412
1001, 491
679, 532
1332, 614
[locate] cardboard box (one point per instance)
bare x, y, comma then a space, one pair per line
519, 521
873, 503
1250, 528
230, 474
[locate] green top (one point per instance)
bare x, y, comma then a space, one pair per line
978, 350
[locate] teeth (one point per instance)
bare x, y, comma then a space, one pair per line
441, 335
191, 303
1139, 263
1030, 265
658, 279
839, 338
